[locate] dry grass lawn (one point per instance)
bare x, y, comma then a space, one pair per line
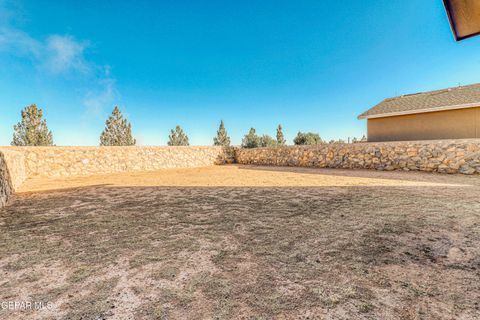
244, 242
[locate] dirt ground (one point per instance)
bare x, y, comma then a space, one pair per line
244, 242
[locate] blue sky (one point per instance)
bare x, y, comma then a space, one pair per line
309, 65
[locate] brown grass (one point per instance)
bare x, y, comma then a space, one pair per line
245, 242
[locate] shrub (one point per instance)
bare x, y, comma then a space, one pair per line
267, 141
339, 141
251, 140
307, 138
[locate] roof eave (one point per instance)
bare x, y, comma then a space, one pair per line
407, 112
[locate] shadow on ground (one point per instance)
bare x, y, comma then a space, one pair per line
412, 176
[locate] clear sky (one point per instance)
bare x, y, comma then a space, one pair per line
309, 65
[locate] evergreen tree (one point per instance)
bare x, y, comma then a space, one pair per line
280, 139
251, 140
177, 137
32, 130
222, 139
307, 138
267, 141
118, 131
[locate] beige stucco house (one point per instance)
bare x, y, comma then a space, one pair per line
452, 113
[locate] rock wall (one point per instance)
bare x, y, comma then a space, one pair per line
74, 161
5, 185
20, 163
12, 173
444, 156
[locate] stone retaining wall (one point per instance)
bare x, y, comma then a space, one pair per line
75, 161
444, 156
5, 185
20, 163
12, 173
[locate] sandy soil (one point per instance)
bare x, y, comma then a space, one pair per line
249, 176
244, 242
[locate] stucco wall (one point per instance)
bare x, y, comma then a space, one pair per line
452, 124
448, 156
71, 161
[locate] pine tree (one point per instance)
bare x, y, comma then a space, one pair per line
222, 139
280, 139
118, 131
32, 130
251, 140
177, 137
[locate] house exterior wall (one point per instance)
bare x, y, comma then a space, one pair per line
450, 124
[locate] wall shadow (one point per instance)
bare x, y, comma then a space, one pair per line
420, 176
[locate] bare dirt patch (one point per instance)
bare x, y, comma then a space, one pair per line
244, 242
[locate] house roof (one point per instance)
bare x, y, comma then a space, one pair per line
438, 100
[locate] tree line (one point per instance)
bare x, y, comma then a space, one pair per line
32, 130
